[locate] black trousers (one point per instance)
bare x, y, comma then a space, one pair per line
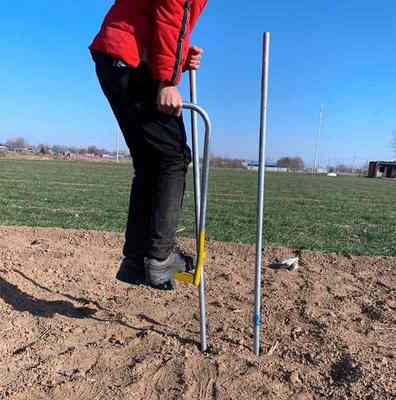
158, 146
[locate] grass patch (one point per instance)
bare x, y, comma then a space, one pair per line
344, 215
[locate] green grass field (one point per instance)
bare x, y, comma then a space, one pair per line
344, 215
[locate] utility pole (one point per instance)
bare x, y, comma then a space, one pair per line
316, 152
118, 144
354, 163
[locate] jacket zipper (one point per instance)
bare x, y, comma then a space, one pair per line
179, 51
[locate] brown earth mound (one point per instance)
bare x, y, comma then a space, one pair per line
70, 330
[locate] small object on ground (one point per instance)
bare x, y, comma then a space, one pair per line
332, 174
291, 264
30, 344
160, 274
180, 229
273, 348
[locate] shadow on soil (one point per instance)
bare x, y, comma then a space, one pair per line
81, 300
346, 371
21, 301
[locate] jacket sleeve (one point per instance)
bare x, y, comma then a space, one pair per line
170, 39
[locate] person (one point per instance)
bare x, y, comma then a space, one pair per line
140, 53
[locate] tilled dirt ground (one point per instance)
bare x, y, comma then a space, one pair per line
70, 330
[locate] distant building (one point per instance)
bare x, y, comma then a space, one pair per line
251, 165
272, 168
382, 169
254, 166
26, 149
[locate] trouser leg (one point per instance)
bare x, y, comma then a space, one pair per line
138, 221
160, 154
166, 137
125, 89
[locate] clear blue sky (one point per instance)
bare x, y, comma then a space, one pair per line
342, 54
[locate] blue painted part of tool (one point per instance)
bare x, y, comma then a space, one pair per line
257, 320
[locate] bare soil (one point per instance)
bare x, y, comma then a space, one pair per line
70, 330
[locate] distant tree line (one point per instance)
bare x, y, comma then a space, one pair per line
20, 144
348, 169
222, 162
288, 162
291, 163
62, 149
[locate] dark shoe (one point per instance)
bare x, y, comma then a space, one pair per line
160, 274
131, 271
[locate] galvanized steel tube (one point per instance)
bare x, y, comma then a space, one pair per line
261, 191
197, 198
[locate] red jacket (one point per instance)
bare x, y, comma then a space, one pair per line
156, 31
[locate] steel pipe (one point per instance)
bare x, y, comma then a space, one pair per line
261, 191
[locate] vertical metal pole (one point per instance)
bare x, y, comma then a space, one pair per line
197, 197
261, 190
316, 160
118, 144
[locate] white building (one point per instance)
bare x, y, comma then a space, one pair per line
254, 166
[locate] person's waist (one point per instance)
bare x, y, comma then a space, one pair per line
99, 56
104, 58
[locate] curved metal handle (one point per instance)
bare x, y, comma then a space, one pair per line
203, 114
196, 279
